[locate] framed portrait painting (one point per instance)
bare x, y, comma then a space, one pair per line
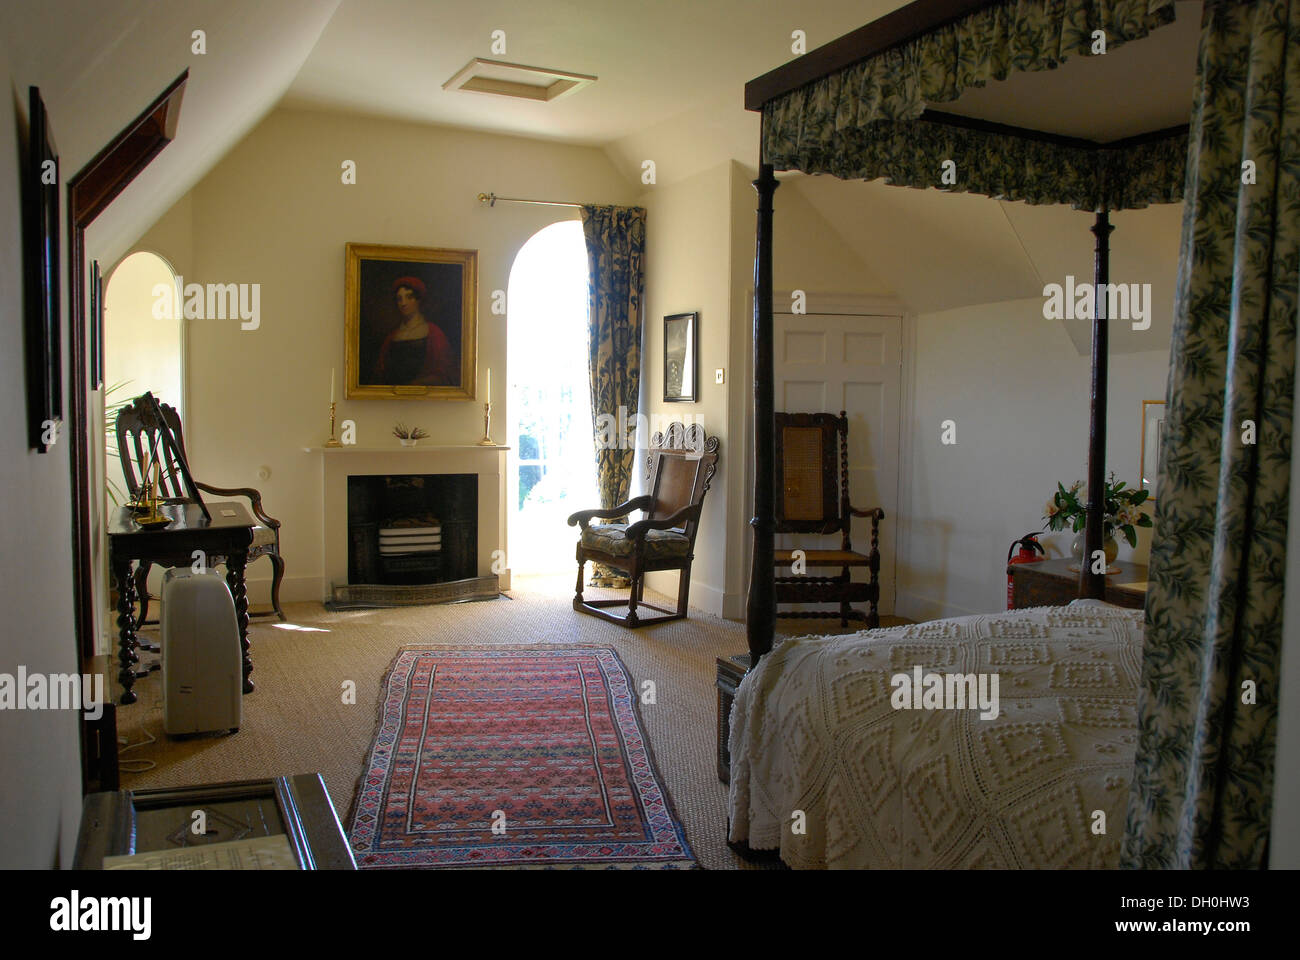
412, 322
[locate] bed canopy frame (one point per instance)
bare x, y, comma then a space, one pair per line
1097, 176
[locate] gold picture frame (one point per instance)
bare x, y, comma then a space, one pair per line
411, 323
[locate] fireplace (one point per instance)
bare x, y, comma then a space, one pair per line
471, 523
412, 528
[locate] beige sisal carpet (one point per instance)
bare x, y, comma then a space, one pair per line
297, 721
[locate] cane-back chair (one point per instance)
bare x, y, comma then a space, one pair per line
812, 497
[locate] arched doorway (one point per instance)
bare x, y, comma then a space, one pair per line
552, 459
143, 346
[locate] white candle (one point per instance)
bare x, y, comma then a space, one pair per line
331, 384
489, 384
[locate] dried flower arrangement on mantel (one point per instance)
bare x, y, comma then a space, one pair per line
408, 435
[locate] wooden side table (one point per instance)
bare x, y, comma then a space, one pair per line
731, 670
228, 534
1051, 583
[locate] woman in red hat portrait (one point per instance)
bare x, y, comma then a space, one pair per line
416, 351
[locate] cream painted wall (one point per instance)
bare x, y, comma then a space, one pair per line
173, 233
275, 212
808, 252
687, 259
40, 792
1017, 390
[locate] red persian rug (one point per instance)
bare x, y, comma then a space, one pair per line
513, 757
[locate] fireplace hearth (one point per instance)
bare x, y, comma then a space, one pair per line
412, 529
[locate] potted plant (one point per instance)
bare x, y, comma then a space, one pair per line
408, 435
1122, 514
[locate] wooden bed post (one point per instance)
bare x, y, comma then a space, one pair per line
760, 615
1093, 585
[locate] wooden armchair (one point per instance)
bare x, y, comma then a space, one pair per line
809, 501
137, 436
679, 469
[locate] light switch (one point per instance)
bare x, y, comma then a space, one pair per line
719, 375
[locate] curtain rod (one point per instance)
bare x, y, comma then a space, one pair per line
491, 200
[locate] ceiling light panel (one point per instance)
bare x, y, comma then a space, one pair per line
516, 80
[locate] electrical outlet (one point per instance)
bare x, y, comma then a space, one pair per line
719, 375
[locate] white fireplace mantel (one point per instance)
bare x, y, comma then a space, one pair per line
488, 463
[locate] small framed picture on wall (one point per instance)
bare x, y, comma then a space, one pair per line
681, 358
1153, 428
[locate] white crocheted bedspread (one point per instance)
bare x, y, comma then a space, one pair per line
825, 768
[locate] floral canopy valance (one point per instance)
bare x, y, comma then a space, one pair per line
864, 122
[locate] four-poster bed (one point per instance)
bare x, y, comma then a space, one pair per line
814, 727
857, 108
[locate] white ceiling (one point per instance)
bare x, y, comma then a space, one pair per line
672, 74
667, 62
655, 59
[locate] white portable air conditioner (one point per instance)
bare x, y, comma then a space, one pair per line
202, 663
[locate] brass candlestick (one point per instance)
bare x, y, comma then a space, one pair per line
331, 442
153, 519
487, 440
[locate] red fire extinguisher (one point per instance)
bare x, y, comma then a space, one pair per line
1029, 548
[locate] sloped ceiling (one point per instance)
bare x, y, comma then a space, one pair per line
941, 251
100, 64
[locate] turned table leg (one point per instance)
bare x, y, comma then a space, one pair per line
126, 655
235, 564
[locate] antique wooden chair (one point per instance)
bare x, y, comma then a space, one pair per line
809, 501
137, 438
679, 469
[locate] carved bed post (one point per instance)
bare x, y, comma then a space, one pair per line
1093, 585
760, 615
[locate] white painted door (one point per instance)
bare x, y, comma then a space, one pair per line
833, 362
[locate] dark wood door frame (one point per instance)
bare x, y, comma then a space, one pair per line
90, 191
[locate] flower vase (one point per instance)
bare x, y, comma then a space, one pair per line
1109, 545
406, 441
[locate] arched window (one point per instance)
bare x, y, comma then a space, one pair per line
552, 460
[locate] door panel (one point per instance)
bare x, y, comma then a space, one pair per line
828, 363
801, 395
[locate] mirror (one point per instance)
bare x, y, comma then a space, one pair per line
1153, 423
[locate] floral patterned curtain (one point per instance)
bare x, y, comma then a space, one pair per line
862, 123
616, 282
1207, 706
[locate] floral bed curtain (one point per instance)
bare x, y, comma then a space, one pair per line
615, 239
862, 123
1203, 785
